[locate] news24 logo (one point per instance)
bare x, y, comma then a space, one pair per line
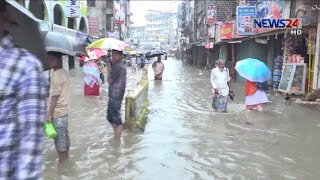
294, 24
290, 23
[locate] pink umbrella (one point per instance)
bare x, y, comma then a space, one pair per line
98, 52
208, 46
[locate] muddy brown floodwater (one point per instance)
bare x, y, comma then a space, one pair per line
185, 139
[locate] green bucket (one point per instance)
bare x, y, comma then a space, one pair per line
50, 131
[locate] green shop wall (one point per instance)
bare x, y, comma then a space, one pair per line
251, 49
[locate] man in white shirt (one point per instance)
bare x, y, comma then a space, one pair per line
220, 79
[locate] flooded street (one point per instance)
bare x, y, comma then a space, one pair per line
185, 139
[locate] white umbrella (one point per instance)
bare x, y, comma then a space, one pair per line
65, 44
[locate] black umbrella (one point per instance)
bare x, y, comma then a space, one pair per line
153, 53
25, 31
65, 44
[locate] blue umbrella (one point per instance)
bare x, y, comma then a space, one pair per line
253, 70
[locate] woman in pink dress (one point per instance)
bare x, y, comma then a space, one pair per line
91, 78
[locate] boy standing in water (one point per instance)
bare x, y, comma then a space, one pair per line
59, 101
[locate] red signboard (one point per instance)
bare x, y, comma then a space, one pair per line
212, 14
226, 31
93, 26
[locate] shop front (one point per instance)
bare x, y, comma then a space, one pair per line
298, 62
299, 52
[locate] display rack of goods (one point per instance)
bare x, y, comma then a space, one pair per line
289, 48
295, 58
277, 71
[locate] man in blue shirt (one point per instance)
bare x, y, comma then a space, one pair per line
117, 85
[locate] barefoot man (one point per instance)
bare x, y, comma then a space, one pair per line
117, 85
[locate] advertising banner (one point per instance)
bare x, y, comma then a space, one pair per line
73, 9
226, 31
93, 26
270, 9
119, 13
245, 16
212, 31
212, 14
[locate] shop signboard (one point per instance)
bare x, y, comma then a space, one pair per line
93, 20
212, 14
119, 13
93, 26
218, 33
293, 78
271, 9
245, 16
73, 9
226, 31
307, 11
212, 31
235, 31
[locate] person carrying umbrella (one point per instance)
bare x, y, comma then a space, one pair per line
22, 95
256, 74
117, 74
91, 76
220, 81
255, 95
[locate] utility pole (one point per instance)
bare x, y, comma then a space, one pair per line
317, 57
120, 30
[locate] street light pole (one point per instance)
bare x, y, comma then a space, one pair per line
120, 30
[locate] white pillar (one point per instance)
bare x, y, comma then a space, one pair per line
316, 74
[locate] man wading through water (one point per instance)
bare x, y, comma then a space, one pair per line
220, 81
117, 85
158, 68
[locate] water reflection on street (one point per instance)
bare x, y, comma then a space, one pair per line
185, 139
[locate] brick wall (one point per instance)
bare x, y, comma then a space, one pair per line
225, 8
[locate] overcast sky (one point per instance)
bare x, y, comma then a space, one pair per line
139, 9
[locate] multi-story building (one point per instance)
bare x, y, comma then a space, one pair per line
161, 27
185, 32
118, 22
138, 35
80, 18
